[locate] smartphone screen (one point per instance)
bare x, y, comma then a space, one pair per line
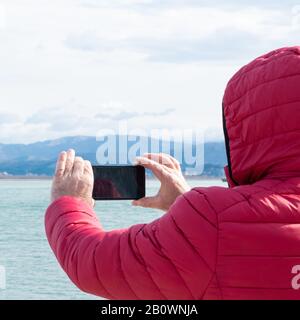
119, 182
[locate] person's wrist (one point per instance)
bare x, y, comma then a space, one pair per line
185, 188
87, 200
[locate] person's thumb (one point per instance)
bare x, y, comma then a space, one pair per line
147, 202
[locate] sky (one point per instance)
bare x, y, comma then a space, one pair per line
74, 67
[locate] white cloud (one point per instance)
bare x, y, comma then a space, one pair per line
117, 114
9, 118
72, 119
188, 34
148, 56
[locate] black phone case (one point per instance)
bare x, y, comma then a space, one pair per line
142, 180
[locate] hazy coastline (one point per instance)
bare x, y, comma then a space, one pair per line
148, 177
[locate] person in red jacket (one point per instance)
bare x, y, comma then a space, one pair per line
241, 242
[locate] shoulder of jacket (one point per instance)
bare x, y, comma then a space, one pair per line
214, 200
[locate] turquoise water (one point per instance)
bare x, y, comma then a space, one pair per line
32, 272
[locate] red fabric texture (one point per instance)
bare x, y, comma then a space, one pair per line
214, 243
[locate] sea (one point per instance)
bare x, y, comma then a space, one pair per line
28, 268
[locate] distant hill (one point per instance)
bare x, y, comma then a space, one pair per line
39, 158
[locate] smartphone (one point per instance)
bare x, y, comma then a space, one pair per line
119, 182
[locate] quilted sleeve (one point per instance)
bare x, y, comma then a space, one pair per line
171, 258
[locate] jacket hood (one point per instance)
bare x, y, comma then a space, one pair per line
261, 118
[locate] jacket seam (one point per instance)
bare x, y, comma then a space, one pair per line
262, 222
66, 236
257, 288
205, 218
135, 252
244, 199
262, 139
163, 255
217, 250
123, 272
185, 284
191, 245
217, 257
262, 256
59, 235
147, 271
53, 224
245, 72
94, 263
97, 275
263, 83
236, 122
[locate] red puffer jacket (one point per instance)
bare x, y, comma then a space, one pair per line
240, 242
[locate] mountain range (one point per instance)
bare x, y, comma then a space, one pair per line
38, 159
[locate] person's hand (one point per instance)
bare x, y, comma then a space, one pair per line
73, 177
168, 172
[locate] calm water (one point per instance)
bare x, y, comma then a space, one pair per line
31, 269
